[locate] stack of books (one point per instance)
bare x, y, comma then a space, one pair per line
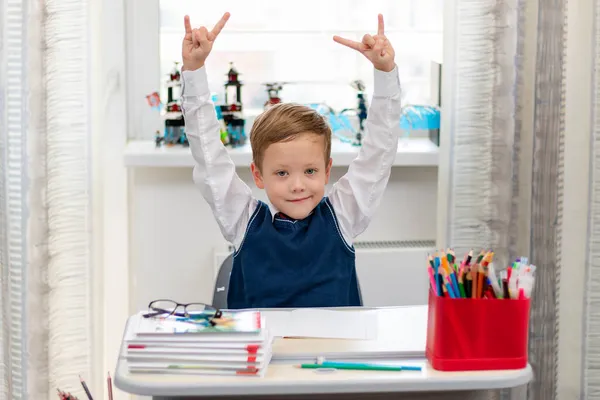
237, 343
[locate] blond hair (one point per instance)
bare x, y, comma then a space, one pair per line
283, 122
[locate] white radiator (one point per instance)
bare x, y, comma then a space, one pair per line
389, 273
393, 273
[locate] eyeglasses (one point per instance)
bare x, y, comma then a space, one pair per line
166, 308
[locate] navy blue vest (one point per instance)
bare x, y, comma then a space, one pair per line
293, 263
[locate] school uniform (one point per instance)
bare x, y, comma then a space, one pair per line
279, 261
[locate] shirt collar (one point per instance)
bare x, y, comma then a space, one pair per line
275, 213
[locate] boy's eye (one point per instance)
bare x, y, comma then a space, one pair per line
281, 173
311, 171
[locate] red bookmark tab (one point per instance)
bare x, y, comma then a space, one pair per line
258, 323
247, 372
136, 346
251, 358
252, 348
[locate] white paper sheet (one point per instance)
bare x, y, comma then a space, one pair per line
318, 323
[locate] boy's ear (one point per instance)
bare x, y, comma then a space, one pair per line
258, 180
328, 170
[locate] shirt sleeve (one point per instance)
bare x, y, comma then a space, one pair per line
357, 194
214, 173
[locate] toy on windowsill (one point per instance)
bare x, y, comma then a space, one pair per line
174, 125
158, 138
224, 135
360, 110
340, 125
273, 89
232, 111
419, 118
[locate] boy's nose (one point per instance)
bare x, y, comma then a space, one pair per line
297, 185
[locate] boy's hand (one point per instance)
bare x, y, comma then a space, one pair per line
198, 43
376, 48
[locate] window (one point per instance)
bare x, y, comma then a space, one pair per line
291, 42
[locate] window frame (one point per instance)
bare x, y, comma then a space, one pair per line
143, 77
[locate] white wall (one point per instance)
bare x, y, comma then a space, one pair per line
154, 235
110, 232
173, 233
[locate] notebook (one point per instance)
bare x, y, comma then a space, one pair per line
237, 343
243, 326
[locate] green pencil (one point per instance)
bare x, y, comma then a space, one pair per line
361, 367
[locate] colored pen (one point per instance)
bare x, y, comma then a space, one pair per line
432, 280
469, 257
479, 279
461, 284
455, 285
451, 256
430, 259
431, 270
468, 279
474, 281
451, 277
87, 391
448, 284
110, 389
436, 268
443, 290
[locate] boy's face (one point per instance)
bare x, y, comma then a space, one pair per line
294, 174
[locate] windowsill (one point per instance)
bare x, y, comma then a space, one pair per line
418, 152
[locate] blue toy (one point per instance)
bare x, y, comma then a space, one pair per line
419, 117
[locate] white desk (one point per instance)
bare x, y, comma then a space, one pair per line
283, 379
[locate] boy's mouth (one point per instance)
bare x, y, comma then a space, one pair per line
299, 200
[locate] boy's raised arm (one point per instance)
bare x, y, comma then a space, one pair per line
229, 197
357, 194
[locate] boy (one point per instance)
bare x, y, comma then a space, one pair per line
300, 254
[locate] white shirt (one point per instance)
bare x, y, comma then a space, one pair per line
354, 197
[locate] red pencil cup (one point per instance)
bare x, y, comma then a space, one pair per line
477, 334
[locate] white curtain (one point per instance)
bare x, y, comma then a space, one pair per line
591, 381
45, 298
487, 130
13, 205
483, 131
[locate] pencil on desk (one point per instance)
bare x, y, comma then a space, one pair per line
358, 367
87, 391
109, 383
65, 396
375, 367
